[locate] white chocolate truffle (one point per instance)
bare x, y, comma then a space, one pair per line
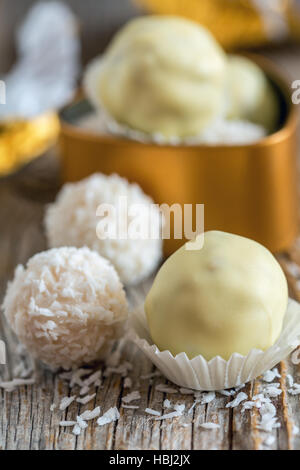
160, 74
230, 296
250, 96
72, 221
66, 306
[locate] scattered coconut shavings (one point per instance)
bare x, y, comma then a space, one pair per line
186, 391
92, 378
295, 357
76, 430
151, 376
165, 389
268, 418
131, 397
272, 390
127, 382
10, 385
295, 389
86, 399
209, 425
295, 430
192, 407
66, 402
91, 414
269, 441
130, 407
179, 408
167, 403
248, 405
207, 398
84, 390
77, 375
237, 400
152, 412
270, 375
289, 380
110, 416
67, 423
122, 370
174, 414
227, 393
81, 423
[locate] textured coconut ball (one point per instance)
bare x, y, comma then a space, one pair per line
66, 306
230, 296
250, 96
162, 75
72, 221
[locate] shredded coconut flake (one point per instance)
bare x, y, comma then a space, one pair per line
66, 402
86, 399
270, 375
12, 384
210, 425
237, 400
91, 414
127, 382
152, 412
165, 389
76, 430
83, 424
131, 397
207, 397
67, 423
110, 416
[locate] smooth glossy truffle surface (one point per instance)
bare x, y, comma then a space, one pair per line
250, 95
160, 74
230, 296
66, 306
72, 221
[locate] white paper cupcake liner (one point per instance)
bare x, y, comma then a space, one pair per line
217, 374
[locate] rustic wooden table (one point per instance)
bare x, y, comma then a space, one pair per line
26, 421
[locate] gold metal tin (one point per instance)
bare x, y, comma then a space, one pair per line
247, 189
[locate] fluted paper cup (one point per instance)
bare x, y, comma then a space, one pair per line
217, 374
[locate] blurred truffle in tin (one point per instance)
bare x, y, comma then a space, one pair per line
160, 75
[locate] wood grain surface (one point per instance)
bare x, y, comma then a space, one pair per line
26, 421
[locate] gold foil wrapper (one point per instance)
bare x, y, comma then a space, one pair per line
236, 23
22, 141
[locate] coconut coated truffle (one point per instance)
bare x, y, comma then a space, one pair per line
230, 296
66, 306
160, 74
71, 221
